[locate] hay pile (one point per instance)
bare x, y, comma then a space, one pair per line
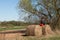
30, 30
57, 32
37, 30
34, 30
48, 30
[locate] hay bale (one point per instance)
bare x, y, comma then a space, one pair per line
38, 30
30, 30
48, 30
57, 32
34, 30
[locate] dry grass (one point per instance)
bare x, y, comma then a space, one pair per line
17, 36
32, 28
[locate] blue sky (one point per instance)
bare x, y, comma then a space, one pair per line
8, 10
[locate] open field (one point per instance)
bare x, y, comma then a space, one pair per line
18, 35
12, 28
14, 33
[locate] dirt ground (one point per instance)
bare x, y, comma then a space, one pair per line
11, 35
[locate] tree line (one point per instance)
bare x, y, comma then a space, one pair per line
14, 23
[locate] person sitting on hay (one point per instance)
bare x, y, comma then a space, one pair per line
42, 24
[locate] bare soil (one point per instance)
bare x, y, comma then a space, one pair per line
12, 34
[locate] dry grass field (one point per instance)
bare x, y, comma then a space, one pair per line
18, 35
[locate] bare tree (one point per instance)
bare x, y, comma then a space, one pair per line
51, 7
